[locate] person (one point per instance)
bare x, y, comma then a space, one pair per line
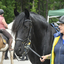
3, 27
57, 52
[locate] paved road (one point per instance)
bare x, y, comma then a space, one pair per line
15, 61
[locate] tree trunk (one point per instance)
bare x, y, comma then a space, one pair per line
46, 8
42, 7
30, 6
21, 5
33, 4
39, 7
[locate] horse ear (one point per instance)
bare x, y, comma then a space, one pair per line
27, 14
15, 12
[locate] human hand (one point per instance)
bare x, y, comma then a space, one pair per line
10, 49
43, 58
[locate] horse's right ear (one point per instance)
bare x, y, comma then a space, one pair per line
15, 12
27, 14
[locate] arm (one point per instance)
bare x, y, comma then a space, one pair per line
45, 57
5, 24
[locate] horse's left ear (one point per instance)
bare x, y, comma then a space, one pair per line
27, 14
15, 12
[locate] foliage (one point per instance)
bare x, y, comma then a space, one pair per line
8, 7
38, 6
34, 6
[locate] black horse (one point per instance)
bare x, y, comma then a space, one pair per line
30, 26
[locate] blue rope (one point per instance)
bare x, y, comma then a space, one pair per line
55, 27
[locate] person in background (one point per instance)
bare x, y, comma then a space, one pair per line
57, 54
3, 27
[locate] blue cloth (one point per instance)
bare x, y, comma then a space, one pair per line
59, 50
57, 34
63, 41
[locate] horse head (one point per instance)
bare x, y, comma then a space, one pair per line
22, 27
32, 30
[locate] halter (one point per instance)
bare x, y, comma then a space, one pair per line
26, 44
29, 35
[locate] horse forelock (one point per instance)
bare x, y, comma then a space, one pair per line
18, 21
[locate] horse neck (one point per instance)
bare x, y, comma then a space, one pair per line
39, 29
39, 32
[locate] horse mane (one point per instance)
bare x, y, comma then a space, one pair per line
40, 19
17, 22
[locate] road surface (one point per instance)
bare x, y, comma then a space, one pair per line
15, 61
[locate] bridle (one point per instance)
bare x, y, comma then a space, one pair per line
26, 42
29, 34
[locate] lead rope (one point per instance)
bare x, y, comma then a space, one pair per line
33, 51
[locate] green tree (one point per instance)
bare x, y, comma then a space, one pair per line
38, 6
8, 7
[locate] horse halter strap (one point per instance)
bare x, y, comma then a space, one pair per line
26, 42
